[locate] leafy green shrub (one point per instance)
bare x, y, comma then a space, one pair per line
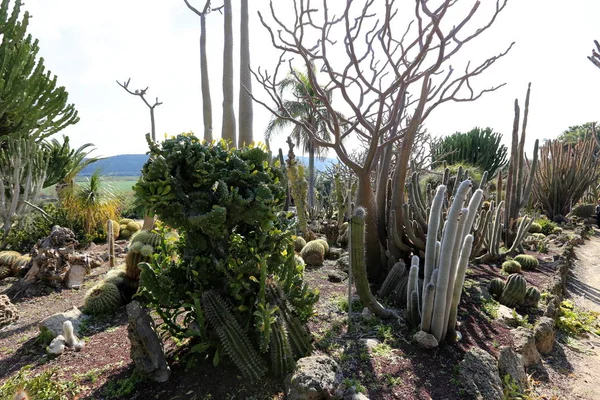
233, 242
576, 322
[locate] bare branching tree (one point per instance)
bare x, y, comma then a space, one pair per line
141, 93
391, 75
595, 57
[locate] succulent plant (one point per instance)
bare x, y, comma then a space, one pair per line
124, 234
392, 280
125, 221
496, 287
146, 250
147, 237
132, 260
511, 267
4, 272
535, 228
324, 243
532, 297
299, 260
313, 253
116, 228
528, 262
133, 226
299, 243
116, 275
8, 257
103, 298
514, 291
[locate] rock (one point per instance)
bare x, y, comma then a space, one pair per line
8, 311
337, 276
334, 253
544, 335
75, 276
506, 316
314, 378
479, 376
369, 343
147, 351
425, 340
510, 363
54, 323
524, 343
343, 263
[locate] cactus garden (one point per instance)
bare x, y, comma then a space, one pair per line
330, 236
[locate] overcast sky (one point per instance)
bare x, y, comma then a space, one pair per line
89, 45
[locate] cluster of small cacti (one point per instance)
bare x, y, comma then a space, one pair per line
527, 262
127, 228
12, 263
514, 292
314, 252
103, 298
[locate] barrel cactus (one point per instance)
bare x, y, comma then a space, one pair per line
116, 228
532, 297
147, 237
514, 291
528, 262
142, 246
125, 221
103, 298
496, 287
124, 233
535, 228
511, 267
299, 261
299, 243
313, 253
8, 257
133, 227
4, 272
392, 280
325, 245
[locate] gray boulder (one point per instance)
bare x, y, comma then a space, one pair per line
314, 378
479, 376
147, 351
510, 363
544, 335
337, 276
343, 262
54, 323
425, 340
524, 343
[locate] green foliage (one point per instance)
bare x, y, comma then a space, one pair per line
546, 225
122, 388
41, 386
4, 272
577, 322
576, 133
223, 203
478, 147
64, 163
103, 298
527, 262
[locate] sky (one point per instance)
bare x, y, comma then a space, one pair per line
90, 45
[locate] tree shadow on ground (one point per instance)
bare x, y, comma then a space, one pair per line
30, 352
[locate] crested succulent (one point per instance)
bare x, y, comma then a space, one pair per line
313, 253
324, 243
532, 297
528, 262
514, 291
8, 257
496, 287
535, 228
103, 298
511, 267
299, 243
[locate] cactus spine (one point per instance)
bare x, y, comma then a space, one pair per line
103, 298
532, 297
282, 358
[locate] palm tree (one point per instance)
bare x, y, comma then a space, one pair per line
314, 115
64, 162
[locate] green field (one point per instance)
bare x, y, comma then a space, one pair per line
118, 184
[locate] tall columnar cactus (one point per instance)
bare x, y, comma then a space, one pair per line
110, 238
519, 182
299, 190
340, 199
392, 280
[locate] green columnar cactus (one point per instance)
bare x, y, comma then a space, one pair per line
299, 244
132, 260
496, 287
392, 279
313, 253
103, 298
511, 267
282, 357
427, 310
299, 190
528, 262
340, 199
532, 297
412, 293
514, 291
112, 232
232, 337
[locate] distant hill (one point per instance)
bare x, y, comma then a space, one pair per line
131, 165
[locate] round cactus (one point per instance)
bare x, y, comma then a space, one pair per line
313, 253
4, 272
511, 267
557, 230
532, 297
135, 246
528, 262
116, 228
133, 226
514, 291
299, 261
131, 261
124, 234
147, 250
299, 243
496, 287
147, 237
535, 228
325, 245
116, 275
538, 235
103, 298
8, 257
485, 205
125, 221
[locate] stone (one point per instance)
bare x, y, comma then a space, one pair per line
54, 323
524, 344
506, 316
75, 276
8, 311
334, 253
337, 276
425, 340
510, 363
544, 335
369, 343
343, 263
147, 351
314, 378
479, 375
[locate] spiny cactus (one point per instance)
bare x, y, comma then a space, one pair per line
535, 228
20, 264
133, 226
124, 234
392, 279
299, 243
4, 272
125, 221
116, 228
511, 267
232, 337
496, 287
313, 253
532, 297
116, 275
282, 357
132, 260
528, 262
147, 237
324, 243
103, 298
298, 260
514, 291
8, 257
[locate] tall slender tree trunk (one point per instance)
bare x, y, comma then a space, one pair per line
311, 175
245, 109
206, 102
366, 198
228, 127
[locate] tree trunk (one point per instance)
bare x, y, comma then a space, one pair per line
206, 102
311, 176
152, 125
228, 127
245, 109
366, 198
